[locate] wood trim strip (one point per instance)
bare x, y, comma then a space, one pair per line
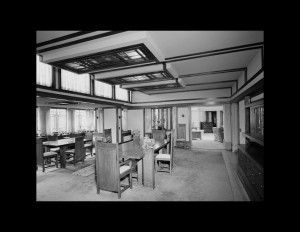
208, 83
79, 41
218, 50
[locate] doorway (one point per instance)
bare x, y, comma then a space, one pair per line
204, 119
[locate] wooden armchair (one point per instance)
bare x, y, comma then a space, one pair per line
78, 153
166, 158
109, 171
42, 156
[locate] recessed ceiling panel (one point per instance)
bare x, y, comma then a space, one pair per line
126, 56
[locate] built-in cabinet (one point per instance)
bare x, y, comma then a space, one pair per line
251, 154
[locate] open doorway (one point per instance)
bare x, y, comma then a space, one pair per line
207, 122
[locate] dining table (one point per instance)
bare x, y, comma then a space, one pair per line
63, 144
144, 158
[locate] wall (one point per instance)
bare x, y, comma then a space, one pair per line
136, 120
241, 80
110, 121
218, 118
184, 119
254, 65
227, 126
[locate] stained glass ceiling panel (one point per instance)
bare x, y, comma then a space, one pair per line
121, 57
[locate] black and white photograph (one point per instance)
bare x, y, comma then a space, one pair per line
159, 115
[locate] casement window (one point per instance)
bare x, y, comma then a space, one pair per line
75, 82
103, 89
58, 120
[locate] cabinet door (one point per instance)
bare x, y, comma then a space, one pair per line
256, 120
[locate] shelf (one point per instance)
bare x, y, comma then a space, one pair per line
255, 139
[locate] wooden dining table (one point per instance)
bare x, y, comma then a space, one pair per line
144, 158
62, 144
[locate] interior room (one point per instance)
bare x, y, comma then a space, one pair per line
149, 116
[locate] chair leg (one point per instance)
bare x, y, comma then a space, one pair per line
130, 180
119, 189
56, 159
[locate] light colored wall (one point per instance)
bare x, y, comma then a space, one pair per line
110, 122
141, 97
195, 117
241, 80
136, 120
184, 119
233, 88
242, 121
227, 126
218, 118
254, 65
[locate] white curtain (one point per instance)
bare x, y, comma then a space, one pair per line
121, 94
103, 89
90, 114
43, 73
71, 120
74, 82
124, 119
45, 120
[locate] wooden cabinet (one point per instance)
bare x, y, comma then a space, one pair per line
251, 155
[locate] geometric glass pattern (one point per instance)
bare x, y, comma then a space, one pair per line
141, 78
155, 87
126, 56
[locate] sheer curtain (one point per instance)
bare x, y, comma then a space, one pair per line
90, 114
74, 82
103, 89
71, 120
121, 94
45, 120
43, 73
124, 119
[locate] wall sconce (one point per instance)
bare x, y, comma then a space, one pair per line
182, 115
119, 116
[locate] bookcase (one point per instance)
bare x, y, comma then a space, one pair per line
251, 154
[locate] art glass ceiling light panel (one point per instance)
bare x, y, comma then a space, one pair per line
141, 78
121, 57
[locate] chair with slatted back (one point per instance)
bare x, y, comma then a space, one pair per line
78, 153
42, 156
109, 171
181, 136
158, 134
162, 159
89, 145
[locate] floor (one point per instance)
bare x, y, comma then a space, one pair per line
198, 175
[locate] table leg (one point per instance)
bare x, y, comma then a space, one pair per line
62, 157
140, 171
148, 168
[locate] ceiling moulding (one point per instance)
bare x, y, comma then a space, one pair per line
104, 44
161, 85
123, 77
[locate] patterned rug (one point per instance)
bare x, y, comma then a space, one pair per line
85, 171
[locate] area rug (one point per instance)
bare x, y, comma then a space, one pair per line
85, 171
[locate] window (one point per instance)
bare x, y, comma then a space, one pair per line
43, 73
124, 119
74, 82
58, 120
102, 89
80, 120
121, 94
37, 120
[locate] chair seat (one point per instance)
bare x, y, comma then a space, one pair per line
163, 156
124, 169
88, 145
50, 153
55, 149
70, 151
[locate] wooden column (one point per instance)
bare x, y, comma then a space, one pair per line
148, 168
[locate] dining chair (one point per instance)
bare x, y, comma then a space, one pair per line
166, 158
109, 171
53, 138
89, 145
158, 134
42, 156
95, 136
78, 153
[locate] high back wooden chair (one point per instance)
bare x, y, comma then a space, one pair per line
107, 135
181, 136
109, 171
78, 153
89, 145
42, 156
53, 138
166, 158
158, 134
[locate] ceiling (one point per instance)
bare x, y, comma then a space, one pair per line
201, 59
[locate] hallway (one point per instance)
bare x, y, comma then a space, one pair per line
207, 142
